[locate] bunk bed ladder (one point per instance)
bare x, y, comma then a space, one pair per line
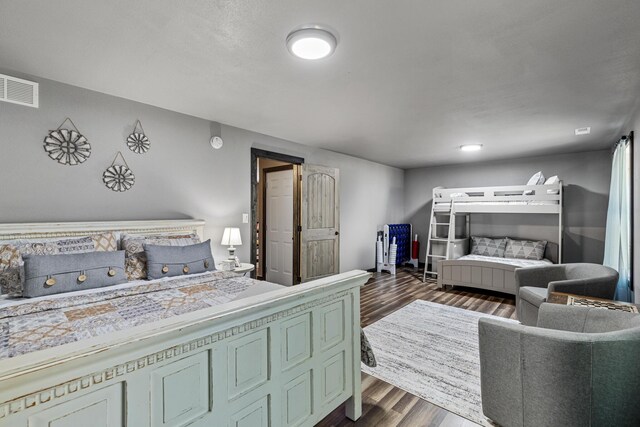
433, 227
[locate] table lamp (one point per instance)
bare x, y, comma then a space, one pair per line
231, 237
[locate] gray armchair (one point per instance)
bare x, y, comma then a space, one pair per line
579, 367
534, 284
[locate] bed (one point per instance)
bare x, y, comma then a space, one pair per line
221, 349
491, 273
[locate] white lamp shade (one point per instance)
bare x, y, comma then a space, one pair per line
231, 237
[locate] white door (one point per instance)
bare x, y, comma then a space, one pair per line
320, 222
279, 230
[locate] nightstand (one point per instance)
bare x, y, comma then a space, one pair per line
244, 268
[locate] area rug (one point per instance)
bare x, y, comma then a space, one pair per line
431, 351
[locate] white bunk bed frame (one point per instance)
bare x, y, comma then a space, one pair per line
544, 199
287, 357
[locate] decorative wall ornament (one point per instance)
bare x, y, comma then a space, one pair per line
118, 177
67, 146
138, 141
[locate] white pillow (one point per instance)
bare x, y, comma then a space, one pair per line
458, 195
552, 181
536, 179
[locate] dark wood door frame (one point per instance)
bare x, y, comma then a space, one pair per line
296, 161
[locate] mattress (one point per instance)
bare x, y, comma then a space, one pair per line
28, 325
467, 202
507, 261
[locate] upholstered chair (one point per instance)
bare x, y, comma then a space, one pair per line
578, 367
534, 284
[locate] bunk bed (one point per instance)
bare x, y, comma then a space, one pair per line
448, 248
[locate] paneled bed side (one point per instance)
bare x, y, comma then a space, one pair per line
452, 203
287, 357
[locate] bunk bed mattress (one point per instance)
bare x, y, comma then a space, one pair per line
467, 202
515, 262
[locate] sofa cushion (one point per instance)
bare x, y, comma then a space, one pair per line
525, 249
533, 295
486, 246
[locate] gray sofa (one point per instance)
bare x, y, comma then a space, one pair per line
579, 367
534, 284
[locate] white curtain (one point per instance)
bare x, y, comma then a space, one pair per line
617, 250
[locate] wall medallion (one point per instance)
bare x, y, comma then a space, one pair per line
118, 177
137, 141
67, 146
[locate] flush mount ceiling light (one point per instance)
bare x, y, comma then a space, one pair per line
583, 131
311, 42
470, 147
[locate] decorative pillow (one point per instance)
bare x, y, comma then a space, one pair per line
136, 261
525, 249
458, 195
536, 179
487, 246
167, 261
12, 252
55, 274
552, 181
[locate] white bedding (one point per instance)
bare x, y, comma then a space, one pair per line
508, 261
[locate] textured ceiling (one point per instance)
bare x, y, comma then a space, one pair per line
409, 82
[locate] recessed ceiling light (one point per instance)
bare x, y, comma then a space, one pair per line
470, 147
583, 131
311, 42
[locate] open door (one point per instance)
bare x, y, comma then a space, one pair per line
320, 222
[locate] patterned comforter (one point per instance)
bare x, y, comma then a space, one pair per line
28, 325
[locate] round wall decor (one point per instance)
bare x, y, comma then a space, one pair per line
118, 177
137, 141
67, 146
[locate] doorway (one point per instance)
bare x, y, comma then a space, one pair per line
276, 216
295, 219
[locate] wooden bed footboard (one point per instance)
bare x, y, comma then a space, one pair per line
285, 358
477, 274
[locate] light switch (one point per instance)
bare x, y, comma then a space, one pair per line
245, 218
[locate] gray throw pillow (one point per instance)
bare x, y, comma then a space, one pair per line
167, 261
487, 246
525, 249
56, 274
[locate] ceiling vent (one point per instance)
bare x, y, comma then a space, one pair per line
18, 91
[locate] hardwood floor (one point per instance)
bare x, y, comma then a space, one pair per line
385, 405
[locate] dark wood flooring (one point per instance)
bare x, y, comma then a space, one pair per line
383, 404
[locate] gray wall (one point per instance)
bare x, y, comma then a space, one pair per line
586, 178
636, 205
180, 176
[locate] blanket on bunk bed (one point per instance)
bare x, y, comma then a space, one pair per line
516, 262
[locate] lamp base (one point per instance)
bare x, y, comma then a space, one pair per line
232, 252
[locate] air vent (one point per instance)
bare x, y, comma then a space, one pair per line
18, 91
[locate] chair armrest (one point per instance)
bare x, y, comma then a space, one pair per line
586, 287
538, 277
500, 370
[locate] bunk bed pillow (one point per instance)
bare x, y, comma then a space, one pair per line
552, 181
536, 179
487, 246
525, 249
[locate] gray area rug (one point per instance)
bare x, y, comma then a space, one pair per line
431, 351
